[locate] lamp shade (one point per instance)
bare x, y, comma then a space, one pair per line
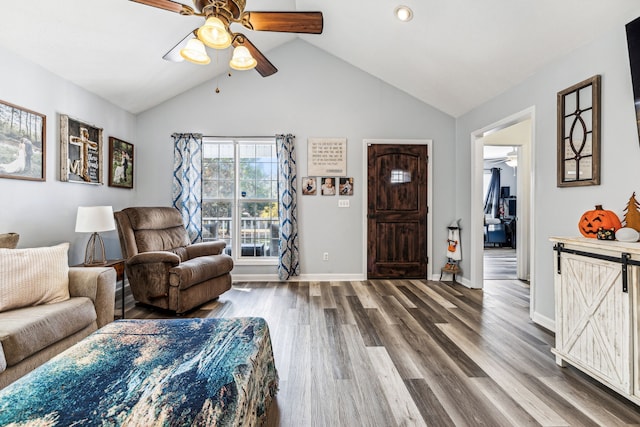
214, 34
195, 52
242, 59
94, 219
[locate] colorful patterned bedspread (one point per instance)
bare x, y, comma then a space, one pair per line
183, 372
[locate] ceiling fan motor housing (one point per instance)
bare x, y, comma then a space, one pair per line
229, 10
225, 13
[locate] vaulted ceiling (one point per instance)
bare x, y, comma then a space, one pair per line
453, 54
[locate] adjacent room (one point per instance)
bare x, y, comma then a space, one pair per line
306, 213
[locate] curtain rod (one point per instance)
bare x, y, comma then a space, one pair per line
242, 136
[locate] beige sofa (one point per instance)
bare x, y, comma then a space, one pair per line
30, 336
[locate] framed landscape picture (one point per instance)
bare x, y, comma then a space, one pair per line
120, 163
22, 143
80, 151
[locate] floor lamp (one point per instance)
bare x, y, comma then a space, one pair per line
94, 219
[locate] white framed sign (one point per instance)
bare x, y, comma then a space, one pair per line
327, 156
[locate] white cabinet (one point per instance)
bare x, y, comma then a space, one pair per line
596, 288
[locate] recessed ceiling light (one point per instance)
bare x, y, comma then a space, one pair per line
403, 13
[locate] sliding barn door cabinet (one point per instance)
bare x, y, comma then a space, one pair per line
596, 306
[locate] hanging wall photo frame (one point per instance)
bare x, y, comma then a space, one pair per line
23, 133
120, 163
345, 186
309, 186
579, 134
80, 151
327, 156
23, 153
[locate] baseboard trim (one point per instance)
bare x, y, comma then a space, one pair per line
461, 280
301, 278
544, 321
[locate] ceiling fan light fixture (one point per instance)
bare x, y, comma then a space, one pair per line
195, 52
242, 59
214, 34
403, 13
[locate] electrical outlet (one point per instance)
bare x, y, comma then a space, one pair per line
325, 256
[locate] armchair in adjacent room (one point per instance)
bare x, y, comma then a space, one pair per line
163, 268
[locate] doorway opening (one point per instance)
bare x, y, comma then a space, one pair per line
500, 176
515, 133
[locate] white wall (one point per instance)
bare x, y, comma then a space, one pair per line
44, 213
314, 94
559, 209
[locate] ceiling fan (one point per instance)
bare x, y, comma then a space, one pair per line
215, 32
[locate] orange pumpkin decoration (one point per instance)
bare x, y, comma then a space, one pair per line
592, 221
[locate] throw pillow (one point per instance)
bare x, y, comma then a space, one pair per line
9, 240
33, 276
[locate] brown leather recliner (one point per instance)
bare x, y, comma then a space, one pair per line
163, 268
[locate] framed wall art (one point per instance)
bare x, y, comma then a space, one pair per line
23, 147
120, 163
579, 134
80, 151
309, 186
328, 187
327, 156
345, 188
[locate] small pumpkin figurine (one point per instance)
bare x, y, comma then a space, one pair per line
592, 221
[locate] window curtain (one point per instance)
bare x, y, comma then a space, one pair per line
289, 263
492, 202
187, 181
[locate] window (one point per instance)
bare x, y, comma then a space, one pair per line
239, 197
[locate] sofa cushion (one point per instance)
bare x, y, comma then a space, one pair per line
33, 276
25, 331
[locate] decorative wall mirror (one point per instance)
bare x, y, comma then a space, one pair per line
579, 134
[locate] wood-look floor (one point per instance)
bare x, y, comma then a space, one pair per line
500, 263
414, 352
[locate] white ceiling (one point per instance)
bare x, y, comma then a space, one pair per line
453, 55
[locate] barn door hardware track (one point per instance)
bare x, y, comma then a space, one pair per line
624, 259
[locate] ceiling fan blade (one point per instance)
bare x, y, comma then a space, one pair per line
169, 5
174, 53
286, 22
264, 67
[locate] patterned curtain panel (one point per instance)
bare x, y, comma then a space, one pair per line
289, 264
187, 181
492, 202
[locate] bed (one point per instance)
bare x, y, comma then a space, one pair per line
178, 372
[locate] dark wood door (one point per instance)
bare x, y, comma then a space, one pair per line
397, 211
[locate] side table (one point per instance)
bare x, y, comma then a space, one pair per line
118, 265
452, 269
